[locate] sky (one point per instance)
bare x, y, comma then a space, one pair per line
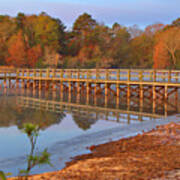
124, 12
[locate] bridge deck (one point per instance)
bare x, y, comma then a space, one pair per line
89, 79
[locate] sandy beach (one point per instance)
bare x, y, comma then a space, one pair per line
149, 155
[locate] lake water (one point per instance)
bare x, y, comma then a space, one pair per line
68, 124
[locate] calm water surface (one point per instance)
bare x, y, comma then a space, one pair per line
68, 124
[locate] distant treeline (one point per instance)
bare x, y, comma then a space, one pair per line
42, 41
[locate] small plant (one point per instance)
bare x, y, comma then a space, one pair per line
2, 175
33, 159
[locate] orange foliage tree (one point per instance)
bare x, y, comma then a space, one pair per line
161, 56
20, 55
17, 51
166, 48
33, 54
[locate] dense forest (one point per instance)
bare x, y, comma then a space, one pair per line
38, 41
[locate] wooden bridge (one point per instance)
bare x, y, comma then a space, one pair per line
158, 84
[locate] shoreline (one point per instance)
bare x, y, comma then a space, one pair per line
150, 155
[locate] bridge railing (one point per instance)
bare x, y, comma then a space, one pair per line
143, 75
7, 72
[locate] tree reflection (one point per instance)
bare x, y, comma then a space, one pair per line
84, 121
13, 114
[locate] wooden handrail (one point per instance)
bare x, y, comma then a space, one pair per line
139, 75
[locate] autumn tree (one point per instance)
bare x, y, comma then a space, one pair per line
175, 23
7, 29
151, 30
82, 40
20, 54
49, 32
41, 41
160, 56
82, 30
142, 51
17, 51
119, 46
170, 42
20, 21
33, 55
83, 24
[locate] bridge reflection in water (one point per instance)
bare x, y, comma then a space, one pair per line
96, 107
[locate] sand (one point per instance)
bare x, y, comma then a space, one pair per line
152, 155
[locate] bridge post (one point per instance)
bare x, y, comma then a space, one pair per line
78, 83
154, 75
95, 93
28, 80
177, 76
87, 92
151, 75
78, 74
47, 73
69, 93
40, 81
141, 76
61, 90
106, 89
97, 74
9, 80
141, 95
169, 76
47, 81
5, 83
61, 83
88, 76
164, 76
166, 92
165, 109
17, 78
141, 105
106, 115
22, 84
176, 99
154, 92
154, 98
128, 90
34, 89
70, 87
34, 85
78, 88
53, 79
106, 94
154, 106
128, 102
107, 74
117, 95
40, 95
118, 74
78, 98
34, 81
117, 116
129, 118
129, 75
